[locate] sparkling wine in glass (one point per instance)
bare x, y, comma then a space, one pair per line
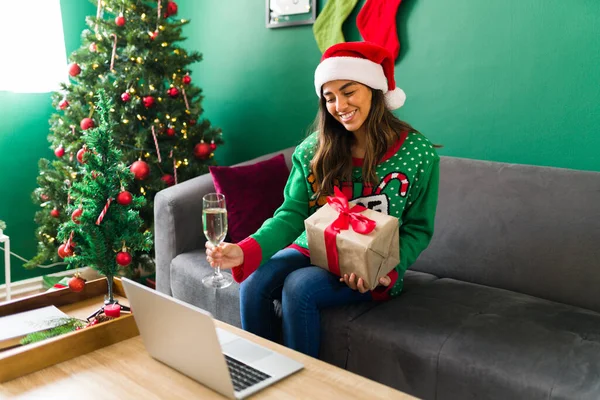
214, 223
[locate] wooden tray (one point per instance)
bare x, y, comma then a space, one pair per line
23, 360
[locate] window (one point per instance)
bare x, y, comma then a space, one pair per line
32, 46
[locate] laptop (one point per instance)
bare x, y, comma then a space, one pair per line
185, 338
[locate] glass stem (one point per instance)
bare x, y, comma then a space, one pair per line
218, 270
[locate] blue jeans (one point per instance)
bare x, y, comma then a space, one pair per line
303, 290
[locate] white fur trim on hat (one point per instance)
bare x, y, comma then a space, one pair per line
353, 69
395, 98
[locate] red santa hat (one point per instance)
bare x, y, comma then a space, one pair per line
363, 62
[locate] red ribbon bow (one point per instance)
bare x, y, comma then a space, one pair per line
348, 217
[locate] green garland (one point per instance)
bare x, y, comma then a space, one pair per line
66, 325
2, 225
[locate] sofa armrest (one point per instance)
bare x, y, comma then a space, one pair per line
178, 224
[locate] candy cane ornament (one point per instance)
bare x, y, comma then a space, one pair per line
187, 105
103, 213
156, 144
114, 52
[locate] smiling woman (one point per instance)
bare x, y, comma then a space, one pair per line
33, 47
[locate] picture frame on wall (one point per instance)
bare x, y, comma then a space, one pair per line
283, 13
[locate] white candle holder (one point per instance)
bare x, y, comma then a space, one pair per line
6, 240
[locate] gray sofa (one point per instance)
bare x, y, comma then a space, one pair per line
504, 304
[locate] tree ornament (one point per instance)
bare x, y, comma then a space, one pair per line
65, 251
120, 20
80, 154
44, 197
63, 104
148, 101
93, 48
104, 211
76, 214
140, 170
186, 80
192, 122
213, 145
153, 35
168, 179
77, 283
86, 123
123, 258
55, 213
74, 69
171, 9
170, 131
202, 150
125, 97
173, 92
59, 151
124, 198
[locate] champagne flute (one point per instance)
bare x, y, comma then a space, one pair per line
214, 223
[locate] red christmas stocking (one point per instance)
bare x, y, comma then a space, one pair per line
376, 23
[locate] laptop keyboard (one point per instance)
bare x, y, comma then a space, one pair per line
243, 375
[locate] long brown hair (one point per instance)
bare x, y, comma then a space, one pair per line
332, 162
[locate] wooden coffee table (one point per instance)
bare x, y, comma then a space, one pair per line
125, 370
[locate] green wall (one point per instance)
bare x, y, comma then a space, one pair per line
23, 131
510, 80
506, 80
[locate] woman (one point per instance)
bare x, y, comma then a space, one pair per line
376, 160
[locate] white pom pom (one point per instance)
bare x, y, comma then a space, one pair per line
395, 99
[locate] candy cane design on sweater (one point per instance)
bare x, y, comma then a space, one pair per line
379, 201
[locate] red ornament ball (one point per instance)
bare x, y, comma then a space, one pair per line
120, 20
170, 131
124, 198
76, 214
55, 213
80, 154
76, 283
86, 123
125, 97
148, 101
173, 92
213, 145
140, 170
168, 179
123, 258
74, 69
202, 151
171, 8
186, 80
192, 122
64, 251
59, 151
63, 104
153, 35
93, 48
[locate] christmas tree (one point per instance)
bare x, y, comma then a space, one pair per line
130, 52
105, 227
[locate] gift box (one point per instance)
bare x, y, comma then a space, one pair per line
345, 238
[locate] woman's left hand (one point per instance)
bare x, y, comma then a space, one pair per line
356, 283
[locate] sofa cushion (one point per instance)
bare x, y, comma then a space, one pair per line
252, 192
530, 229
336, 322
455, 340
187, 271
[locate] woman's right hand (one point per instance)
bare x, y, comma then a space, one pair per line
227, 255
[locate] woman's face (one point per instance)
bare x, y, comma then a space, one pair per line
348, 102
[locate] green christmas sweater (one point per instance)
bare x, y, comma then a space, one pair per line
408, 190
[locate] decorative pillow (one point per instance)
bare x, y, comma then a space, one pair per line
252, 193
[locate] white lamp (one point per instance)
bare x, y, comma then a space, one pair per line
6, 240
